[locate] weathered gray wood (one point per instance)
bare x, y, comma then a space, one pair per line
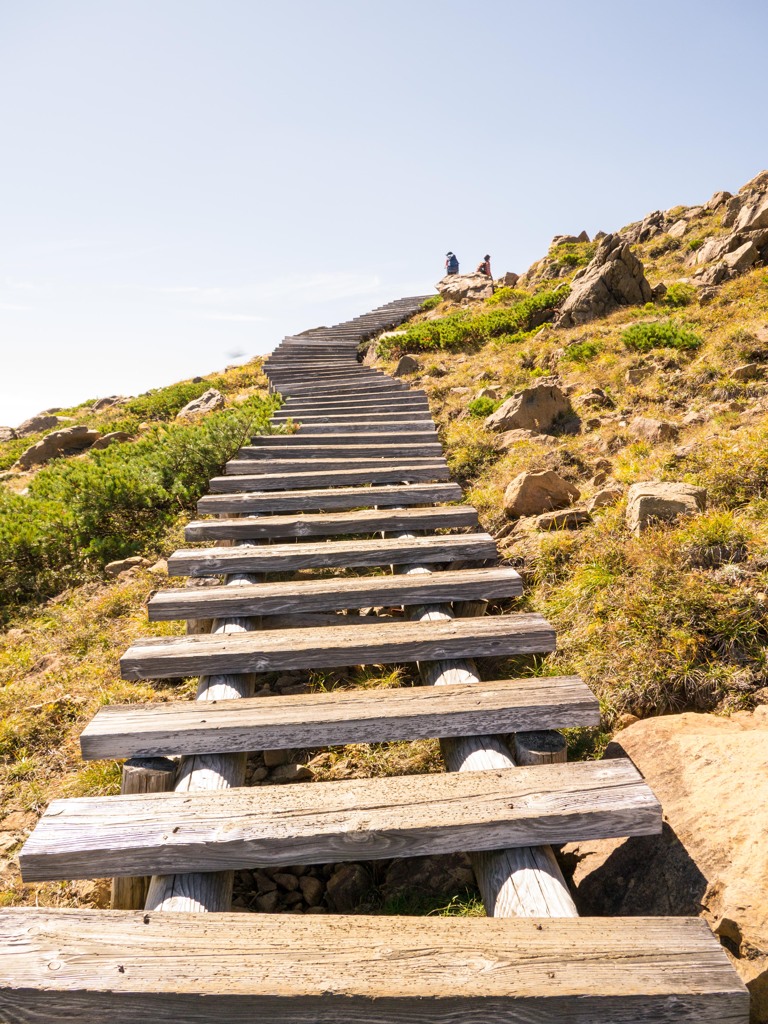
329, 448
394, 426
112, 967
395, 643
330, 554
293, 467
333, 523
400, 403
358, 416
540, 747
338, 439
339, 478
327, 500
339, 592
346, 716
150, 774
405, 816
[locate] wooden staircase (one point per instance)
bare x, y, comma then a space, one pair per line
362, 485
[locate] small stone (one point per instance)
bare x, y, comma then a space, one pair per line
530, 494
606, 496
273, 758
36, 424
406, 364
312, 890
637, 374
491, 393
512, 437
625, 720
259, 774
460, 391
570, 519
286, 881
125, 565
209, 401
159, 568
268, 902
263, 882
348, 886
749, 371
291, 773
654, 431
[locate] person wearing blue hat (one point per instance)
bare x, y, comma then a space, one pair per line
451, 263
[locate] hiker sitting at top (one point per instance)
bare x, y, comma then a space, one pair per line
451, 263
484, 267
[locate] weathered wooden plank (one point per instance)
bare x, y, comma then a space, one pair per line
383, 417
292, 467
398, 402
331, 554
345, 716
376, 435
339, 592
405, 816
337, 478
394, 426
114, 967
388, 643
326, 390
449, 517
327, 500
327, 447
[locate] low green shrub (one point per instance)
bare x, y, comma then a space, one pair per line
581, 352
506, 297
680, 294
482, 406
645, 337
467, 330
570, 255
79, 514
431, 302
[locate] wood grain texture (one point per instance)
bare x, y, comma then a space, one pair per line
406, 816
410, 427
312, 720
326, 464
310, 595
112, 967
329, 448
340, 478
374, 436
390, 643
332, 553
449, 517
328, 500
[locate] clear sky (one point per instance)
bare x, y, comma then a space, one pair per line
183, 182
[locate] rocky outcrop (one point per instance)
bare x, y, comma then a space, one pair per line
7, 434
460, 287
613, 279
651, 225
654, 502
406, 364
115, 437
530, 494
727, 256
536, 408
125, 565
60, 442
209, 401
107, 403
36, 424
711, 776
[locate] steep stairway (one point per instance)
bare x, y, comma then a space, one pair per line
362, 487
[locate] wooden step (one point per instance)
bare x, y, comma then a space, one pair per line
329, 447
356, 416
405, 816
292, 467
114, 967
424, 428
361, 438
334, 594
450, 517
328, 500
389, 643
335, 391
307, 721
407, 473
397, 400
476, 547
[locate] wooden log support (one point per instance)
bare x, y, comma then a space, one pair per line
147, 774
545, 747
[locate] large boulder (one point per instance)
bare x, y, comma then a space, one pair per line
530, 494
614, 278
406, 364
209, 401
35, 424
535, 408
648, 429
711, 777
7, 434
60, 442
653, 502
458, 287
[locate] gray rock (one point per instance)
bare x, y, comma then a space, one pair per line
491, 393
648, 429
749, 371
678, 229
732, 211
7, 434
510, 279
637, 374
653, 224
116, 436
406, 364
348, 886
125, 565
613, 279
567, 519
535, 408
741, 259
653, 502
312, 889
458, 287
604, 497
291, 773
35, 424
510, 438
530, 494
209, 401
753, 215
60, 442
107, 403
717, 200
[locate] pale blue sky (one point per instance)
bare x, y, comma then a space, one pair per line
185, 179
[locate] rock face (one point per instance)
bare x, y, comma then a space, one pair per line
457, 287
535, 408
406, 364
726, 256
711, 777
107, 403
530, 494
7, 433
654, 502
614, 278
648, 429
60, 442
209, 401
35, 424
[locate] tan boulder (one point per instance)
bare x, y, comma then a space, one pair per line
648, 429
604, 497
711, 777
405, 364
60, 442
209, 401
653, 502
749, 371
535, 408
510, 438
35, 424
530, 494
565, 519
458, 287
116, 436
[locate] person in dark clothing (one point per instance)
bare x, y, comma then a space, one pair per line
451, 263
484, 267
